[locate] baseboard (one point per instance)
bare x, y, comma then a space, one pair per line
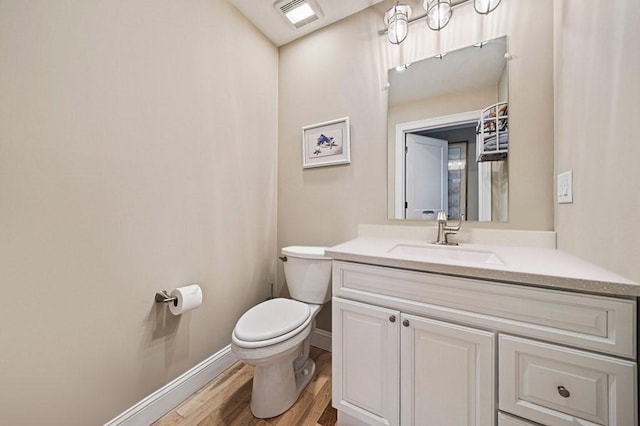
321, 339
172, 394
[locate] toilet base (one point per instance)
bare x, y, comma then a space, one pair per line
276, 387
305, 375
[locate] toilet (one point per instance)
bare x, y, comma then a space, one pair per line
274, 336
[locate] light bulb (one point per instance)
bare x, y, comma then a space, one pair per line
485, 6
398, 30
438, 13
397, 20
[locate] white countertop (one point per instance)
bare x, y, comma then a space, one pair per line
521, 265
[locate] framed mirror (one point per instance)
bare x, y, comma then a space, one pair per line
448, 133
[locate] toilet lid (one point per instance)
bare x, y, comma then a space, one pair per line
271, 319
305, 252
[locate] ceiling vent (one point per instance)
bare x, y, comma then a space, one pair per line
299, 12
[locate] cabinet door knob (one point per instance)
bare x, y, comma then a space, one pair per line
392, 318
563, 392
405, 323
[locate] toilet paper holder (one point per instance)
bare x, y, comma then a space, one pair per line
164, 297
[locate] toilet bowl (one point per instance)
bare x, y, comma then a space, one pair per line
275, 336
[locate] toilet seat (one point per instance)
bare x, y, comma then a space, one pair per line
272, 322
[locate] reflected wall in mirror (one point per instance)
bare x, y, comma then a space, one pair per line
448, 130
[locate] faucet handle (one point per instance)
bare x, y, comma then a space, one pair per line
442, 216
456, 227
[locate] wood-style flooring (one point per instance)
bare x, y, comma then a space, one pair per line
225, 400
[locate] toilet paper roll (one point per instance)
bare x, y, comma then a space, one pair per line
187, 298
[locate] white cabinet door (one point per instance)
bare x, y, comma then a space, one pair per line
366, 345
448, 374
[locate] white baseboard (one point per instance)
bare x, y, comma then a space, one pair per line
321, 339
172, 394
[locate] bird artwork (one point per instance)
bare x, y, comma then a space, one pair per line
324, 141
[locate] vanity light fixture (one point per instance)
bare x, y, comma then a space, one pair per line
397, 20
438, 13
484, 7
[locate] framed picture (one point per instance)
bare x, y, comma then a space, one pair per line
326, 144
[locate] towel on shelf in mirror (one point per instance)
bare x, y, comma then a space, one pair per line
494, 142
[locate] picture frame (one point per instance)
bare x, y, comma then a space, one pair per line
326, 144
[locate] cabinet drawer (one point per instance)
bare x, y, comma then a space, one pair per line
559, 386
507, 420
600, 323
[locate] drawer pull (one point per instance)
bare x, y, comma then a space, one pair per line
392, 318
405, 323
563, 392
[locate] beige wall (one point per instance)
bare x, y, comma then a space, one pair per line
342, 70
137, 153
597, 109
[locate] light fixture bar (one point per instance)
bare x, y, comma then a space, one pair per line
454, 3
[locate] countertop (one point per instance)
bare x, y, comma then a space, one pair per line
520, 265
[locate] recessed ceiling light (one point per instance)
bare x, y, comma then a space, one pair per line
300, 13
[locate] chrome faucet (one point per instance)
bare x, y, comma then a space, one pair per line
444, 230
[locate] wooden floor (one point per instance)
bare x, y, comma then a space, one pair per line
225, 400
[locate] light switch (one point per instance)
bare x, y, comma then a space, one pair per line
565, 187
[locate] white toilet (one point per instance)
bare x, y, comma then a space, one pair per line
274, 336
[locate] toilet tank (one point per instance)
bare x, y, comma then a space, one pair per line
308, 274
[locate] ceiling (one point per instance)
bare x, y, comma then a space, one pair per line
275, 26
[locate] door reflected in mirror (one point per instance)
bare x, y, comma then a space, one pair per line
448, 135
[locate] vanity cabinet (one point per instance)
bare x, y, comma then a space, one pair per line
415, 348
444, 367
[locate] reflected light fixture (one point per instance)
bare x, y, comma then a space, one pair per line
438, 13
397, 21
485, 6
401, 68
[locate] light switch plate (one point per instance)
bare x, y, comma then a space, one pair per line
565, 187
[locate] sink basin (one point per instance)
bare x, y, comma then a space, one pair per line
435, 253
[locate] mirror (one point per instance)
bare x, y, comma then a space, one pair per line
448, 135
